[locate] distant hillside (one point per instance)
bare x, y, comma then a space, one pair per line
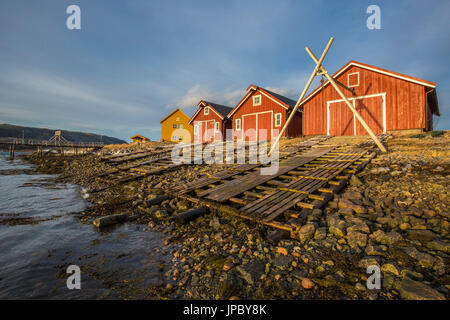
12, 131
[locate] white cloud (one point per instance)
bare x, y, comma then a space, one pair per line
54, 86
228, 97
287, 92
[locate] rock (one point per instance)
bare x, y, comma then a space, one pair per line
307, 283
425, 260
306, 232
346, 203
391, 268
368, 261
411, 274
359, 227
415, 290
228, 266
439, 245
161, 214
337, 230
215, 223
336, 226
282, 262
245, 275
404, 226
429, 213
346, 211
423, 236
354, 181
388, 282
415, 211
386, 238
373, 250
282, 251
360, 287
320, 234
380, 170
357, 239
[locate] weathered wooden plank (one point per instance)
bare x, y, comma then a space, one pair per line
249, 181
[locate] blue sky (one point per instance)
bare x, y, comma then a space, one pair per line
132, 62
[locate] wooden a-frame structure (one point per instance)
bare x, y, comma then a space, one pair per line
320, 70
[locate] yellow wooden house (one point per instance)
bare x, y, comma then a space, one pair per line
175, 127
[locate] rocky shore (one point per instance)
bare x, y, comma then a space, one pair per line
394, 214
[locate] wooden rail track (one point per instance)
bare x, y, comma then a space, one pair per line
133, 166
283, 200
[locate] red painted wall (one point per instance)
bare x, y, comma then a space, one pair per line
266, 117
405, 102
211, 118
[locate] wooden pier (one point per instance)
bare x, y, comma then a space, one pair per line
56, 142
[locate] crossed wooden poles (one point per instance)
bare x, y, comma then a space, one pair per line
320, 70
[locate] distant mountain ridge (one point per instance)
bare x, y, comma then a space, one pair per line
13, 131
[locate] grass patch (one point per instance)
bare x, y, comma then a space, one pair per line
436, 133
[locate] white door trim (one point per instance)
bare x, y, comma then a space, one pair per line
383, 95
256, 113
201, 126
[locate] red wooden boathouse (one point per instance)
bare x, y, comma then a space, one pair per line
210, 122
263, 109
386, 100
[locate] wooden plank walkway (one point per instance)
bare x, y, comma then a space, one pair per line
282, 200
273, 205
237, 186
239, 169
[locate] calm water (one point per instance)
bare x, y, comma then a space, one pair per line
40, 236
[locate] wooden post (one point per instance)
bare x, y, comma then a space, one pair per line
11, 152
356, 113
305, 89
190, 215
157, 200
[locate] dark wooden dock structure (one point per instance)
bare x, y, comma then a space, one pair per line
55, 142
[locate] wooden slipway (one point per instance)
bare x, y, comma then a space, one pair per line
305, 180
248, 181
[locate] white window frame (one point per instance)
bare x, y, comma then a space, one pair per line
206, 111
195, 128
174, 138
348, 79
275, 120
257, 104
236, 126
217, 126
180, 126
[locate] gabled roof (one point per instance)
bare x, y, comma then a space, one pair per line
223, 110
351, 63
140, 137
219, 109
278, 98
172, 113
